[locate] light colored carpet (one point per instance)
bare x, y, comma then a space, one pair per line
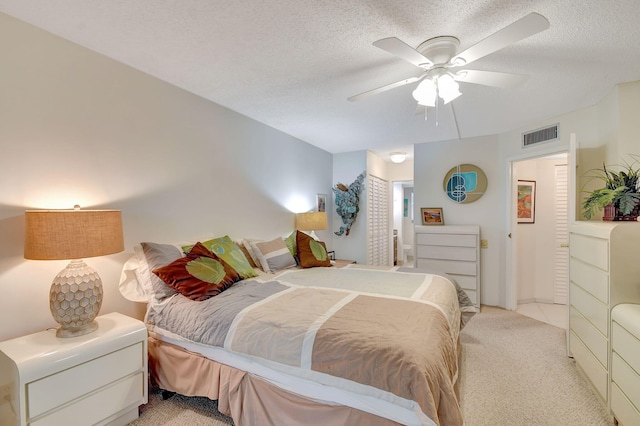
515, 371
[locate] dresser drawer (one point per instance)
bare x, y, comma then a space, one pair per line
589, 365
55, 390
591, 308
593, 280
98, 406
626, 345
468, 282
468, 254
623, 410
591, 337
449, 266
459, 240
627, 379
591, 250
473, 296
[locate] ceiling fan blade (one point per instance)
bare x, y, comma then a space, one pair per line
399, 48
525, 27
490, 78
387, 87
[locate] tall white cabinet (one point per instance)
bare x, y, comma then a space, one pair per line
604, 272
454, 249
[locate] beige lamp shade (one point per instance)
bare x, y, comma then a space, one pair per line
76, 293
312, 221
72, 234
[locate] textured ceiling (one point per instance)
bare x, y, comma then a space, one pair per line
291, 64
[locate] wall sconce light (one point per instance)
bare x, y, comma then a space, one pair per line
75, 297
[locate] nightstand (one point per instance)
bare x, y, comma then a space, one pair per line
341, 263
96, 379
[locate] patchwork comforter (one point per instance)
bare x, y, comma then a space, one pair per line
387, 335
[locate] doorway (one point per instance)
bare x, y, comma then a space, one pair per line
540, 253
403, 223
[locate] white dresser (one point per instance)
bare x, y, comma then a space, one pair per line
454, 249
625, 364
604, 272
95, 379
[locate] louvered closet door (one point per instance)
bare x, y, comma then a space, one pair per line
378, 221
561, 268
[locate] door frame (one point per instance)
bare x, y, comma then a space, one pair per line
511, 273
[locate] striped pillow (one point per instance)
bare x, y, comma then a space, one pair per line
273, 255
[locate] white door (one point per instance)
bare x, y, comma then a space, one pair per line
378, 229
561, 246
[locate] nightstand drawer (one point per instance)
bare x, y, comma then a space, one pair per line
98, 406
52, 391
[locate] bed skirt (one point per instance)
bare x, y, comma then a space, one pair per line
246, 398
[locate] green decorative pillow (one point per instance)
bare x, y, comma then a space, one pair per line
200, 275
311, 252
228, 251
290, 241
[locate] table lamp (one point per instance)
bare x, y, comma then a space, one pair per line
76, 292
312, 221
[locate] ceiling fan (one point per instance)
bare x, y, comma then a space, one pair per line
438, 57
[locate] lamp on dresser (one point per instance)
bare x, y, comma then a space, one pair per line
75, 297
312, 221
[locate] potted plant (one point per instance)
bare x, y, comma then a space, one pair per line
619, 197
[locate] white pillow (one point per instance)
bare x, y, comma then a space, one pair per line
137, 281
130, 286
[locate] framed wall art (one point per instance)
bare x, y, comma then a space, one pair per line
432, 216
465, 183
321, 202
526, 201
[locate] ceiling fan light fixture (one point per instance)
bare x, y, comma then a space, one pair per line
448, 88
426, 93
398, 157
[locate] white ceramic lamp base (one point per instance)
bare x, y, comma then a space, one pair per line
75, 299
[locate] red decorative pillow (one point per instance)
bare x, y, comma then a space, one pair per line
311, 252
199, 275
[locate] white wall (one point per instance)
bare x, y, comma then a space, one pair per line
432, 161
346, 168
79, 128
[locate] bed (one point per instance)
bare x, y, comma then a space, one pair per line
302, 346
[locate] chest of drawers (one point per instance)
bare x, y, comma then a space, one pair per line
454, 249
604, 271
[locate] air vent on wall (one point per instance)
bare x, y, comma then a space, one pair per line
541, 135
